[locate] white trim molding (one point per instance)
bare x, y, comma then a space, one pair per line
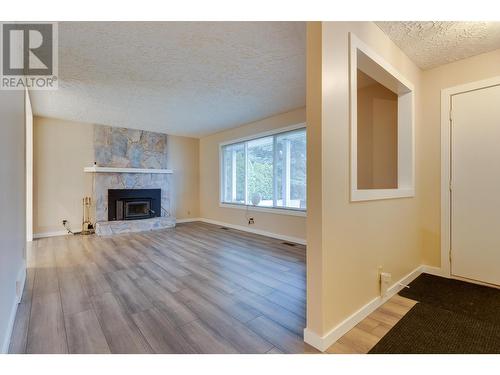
376, 194
270, 210
187, 220
222, 177
446, 97
283, 237
21, 279
324, 342
29, 165
362, 57
284, 129
436, 271
50, 234
243, 228
95, 169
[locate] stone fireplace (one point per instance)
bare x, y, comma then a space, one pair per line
131, 189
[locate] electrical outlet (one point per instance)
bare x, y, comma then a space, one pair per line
251, 221
189, 212
64, 222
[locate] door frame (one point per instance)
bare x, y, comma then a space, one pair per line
446, 116
29, 164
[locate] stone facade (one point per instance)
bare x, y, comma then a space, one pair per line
105, 181
108, 228
128, 148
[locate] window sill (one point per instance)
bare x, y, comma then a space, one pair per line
378, 194
271, 210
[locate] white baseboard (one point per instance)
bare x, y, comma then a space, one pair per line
12, 318
21, 278
324, 342
50, 234
256, 231
205, 220
188, 220
436, 271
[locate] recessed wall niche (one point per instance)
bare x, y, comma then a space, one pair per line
382, 127
377, 135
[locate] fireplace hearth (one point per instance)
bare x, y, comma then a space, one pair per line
133, 204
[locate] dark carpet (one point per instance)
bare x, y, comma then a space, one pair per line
477, 301
452, 317
430, 330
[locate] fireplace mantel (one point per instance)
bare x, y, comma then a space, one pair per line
95, 169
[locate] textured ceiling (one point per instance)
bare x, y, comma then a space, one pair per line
430, 44
185, 78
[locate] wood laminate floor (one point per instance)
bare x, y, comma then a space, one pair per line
197, 288
193, 289
370, 330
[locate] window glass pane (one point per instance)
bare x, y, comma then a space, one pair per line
291, 169
272, 173
260, 172
234, 173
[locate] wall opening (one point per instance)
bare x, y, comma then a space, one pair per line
377, 134
382, 127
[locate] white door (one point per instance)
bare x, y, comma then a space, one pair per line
475, 188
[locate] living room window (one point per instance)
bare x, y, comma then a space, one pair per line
266, 171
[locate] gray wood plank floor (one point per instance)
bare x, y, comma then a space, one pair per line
197, 288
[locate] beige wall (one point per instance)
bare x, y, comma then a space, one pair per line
429, 169
63, 148
356, 238
292, 226
13, 203
377, 138
316, 297
183, 159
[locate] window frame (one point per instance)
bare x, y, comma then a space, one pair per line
384, 73
275, 210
